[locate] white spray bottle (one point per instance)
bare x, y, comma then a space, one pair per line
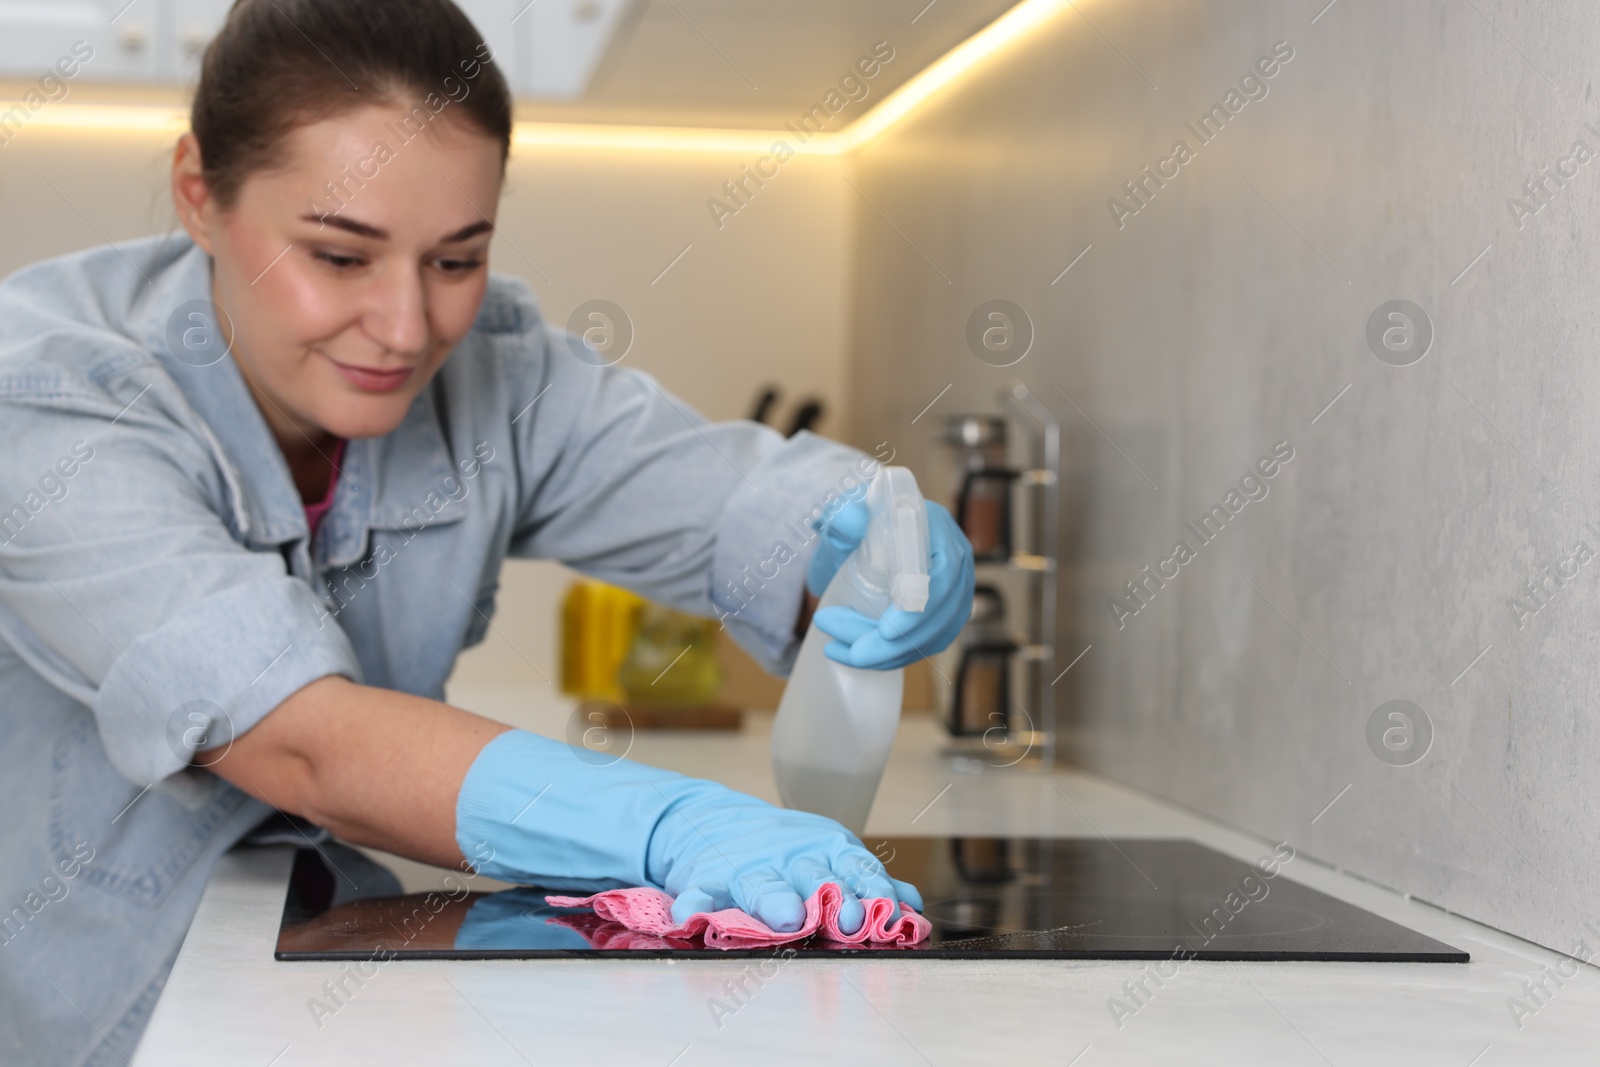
835, 723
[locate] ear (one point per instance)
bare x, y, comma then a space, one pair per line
197, 208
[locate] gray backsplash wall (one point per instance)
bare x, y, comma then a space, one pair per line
1224, 317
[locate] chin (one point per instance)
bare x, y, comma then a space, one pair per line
366, 417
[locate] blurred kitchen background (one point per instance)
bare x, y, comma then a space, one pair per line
1370, 270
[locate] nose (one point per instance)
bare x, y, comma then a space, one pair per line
396, 316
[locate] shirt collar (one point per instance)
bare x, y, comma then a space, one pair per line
401, 480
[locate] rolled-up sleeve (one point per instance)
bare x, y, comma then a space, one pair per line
123, 584
626, 482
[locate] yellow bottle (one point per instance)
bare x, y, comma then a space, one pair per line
672, 662
597, 627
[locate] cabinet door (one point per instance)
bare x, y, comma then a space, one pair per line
125, 40
545, 48
194, 23
565, 41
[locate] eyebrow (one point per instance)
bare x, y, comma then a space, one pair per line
362, 229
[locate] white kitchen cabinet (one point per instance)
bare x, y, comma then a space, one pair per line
564, 41
194, 23
546, 48
130, 41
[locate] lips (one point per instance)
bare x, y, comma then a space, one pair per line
371, 379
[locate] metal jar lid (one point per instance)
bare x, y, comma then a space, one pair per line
973, 431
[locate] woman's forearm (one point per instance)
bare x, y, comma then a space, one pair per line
376, 767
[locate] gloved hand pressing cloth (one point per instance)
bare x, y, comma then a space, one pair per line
538, 812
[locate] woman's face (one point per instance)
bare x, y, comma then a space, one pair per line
342, 309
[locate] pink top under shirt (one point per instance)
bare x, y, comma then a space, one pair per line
315, 512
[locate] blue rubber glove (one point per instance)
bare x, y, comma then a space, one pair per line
899, 638
841, 533
538, 812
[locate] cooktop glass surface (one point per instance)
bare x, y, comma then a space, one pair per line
987, 898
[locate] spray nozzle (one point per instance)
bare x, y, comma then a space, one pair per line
894, 554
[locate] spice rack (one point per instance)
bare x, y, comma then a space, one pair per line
1004, 475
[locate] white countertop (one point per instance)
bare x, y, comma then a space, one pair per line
228, 1002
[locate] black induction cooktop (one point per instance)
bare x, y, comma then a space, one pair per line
987, 898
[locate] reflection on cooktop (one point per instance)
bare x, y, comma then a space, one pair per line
987, 898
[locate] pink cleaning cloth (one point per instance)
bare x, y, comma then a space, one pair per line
605, 934
648, 911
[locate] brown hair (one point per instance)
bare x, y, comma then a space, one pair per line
279, 64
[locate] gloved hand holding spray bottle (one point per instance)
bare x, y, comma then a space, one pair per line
898, 580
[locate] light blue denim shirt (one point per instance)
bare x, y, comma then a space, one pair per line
158, 593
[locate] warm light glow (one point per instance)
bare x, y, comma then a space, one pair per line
97, 117
1013, 25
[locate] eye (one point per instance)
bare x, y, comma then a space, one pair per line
338, 260
459, 265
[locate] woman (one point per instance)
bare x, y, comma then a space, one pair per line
260, 480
